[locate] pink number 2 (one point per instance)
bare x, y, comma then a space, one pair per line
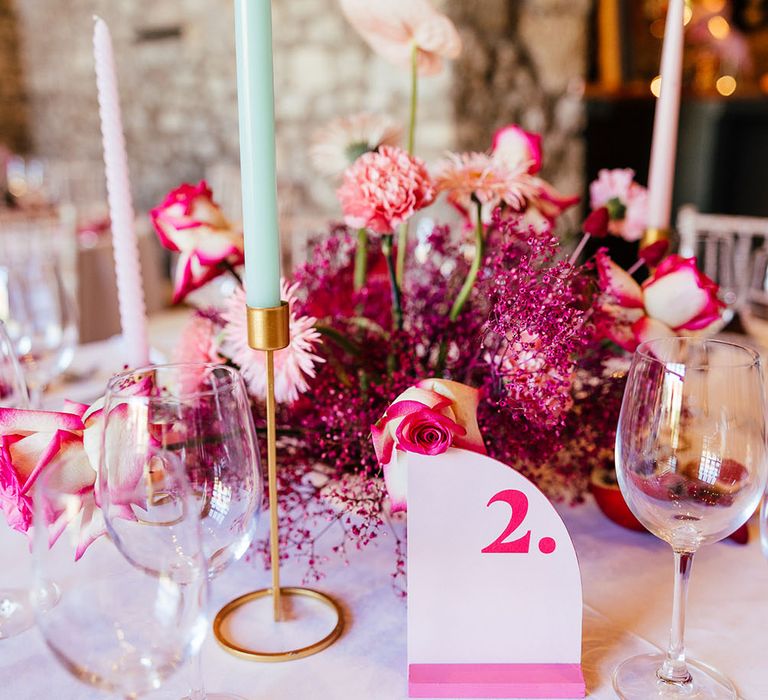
518, 502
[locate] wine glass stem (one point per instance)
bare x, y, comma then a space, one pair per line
674, 669
197, 691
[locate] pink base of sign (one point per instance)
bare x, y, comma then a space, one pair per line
496, 681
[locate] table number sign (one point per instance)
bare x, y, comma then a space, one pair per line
494, 588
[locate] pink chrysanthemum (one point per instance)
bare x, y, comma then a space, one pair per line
197, 345
293, 365
383, 189
479, 176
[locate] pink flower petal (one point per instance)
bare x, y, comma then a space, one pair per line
464, 403
651, 329
515, 148
681, 296
392, 27
396, 481
618, 283
18, 420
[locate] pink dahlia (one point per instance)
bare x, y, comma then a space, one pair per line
383, 189
293, 365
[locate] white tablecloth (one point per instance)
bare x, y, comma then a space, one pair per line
627, 581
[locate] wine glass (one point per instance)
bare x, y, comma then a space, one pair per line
201, 414
691, 464
16, 614
119, 624
754, 310
40, 317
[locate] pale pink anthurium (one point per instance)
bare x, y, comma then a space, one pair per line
427, 419
393, 27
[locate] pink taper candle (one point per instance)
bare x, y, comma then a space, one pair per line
662, 176
133, 315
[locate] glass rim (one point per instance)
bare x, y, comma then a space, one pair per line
643, 351
234, 379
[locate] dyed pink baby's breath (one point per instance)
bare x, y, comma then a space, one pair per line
383, 189
293, 365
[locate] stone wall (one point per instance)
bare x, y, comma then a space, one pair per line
176, 67
524, 61
13, 112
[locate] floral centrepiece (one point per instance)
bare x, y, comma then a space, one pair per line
511, 331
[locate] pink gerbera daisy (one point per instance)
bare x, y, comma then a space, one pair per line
293, 366
468, 177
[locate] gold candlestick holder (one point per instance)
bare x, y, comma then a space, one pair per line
654, 235
269, 331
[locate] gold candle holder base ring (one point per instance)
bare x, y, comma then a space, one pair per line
287, 655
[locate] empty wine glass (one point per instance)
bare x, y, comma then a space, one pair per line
118, 624
754, 310
201, 414
691, 464
40, 317
16, 614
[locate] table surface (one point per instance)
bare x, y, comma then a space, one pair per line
627, 579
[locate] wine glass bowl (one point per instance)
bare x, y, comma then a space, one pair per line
199, 417
40, 317
692, 464
118, 626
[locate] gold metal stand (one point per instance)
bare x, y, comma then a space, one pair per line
269, 331
654, 235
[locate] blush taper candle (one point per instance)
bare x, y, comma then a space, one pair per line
664, 150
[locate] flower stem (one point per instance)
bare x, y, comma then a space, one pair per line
230, 268
579, 249
361, 259
402, 239
473, 271
414, 98
397, 308
632, 270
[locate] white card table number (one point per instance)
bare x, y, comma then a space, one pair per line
494, 588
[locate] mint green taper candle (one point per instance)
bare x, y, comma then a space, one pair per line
256, 103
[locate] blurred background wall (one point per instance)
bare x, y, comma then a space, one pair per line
524, 61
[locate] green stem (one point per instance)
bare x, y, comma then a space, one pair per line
414, 98
339, 339
472, 276
397, 307
402, 240
361, 259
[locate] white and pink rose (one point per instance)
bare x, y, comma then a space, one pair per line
191, 224
676, 298
426, 419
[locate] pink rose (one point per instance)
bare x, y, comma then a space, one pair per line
29, 442
678, 297
190, 223
681, 296
427, 419
384, 188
